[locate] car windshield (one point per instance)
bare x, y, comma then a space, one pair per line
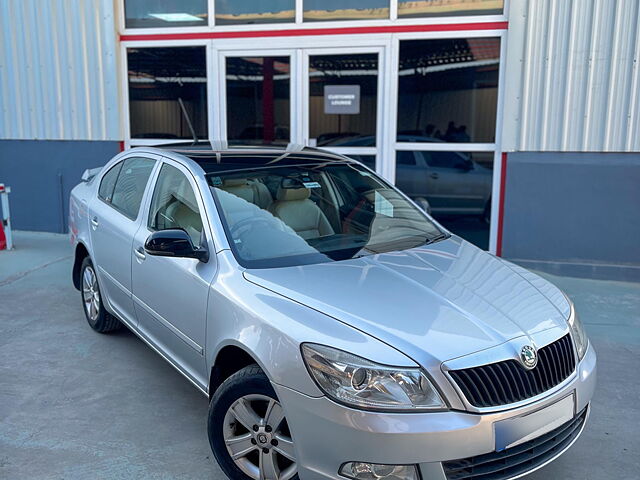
314, 213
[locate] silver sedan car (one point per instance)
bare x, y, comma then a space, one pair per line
337, 329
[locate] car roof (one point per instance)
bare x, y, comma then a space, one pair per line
214, 157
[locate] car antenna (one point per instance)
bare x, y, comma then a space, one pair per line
186, 117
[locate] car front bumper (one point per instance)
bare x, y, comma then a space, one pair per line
326, 434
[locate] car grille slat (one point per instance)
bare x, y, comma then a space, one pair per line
506, 382
516, 460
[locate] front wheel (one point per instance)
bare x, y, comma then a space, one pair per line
248, 431
97, 316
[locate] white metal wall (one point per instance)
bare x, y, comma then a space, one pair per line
58, 70
573, 79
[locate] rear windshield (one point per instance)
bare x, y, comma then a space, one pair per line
315, 213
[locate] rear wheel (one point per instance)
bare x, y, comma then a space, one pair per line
97, 316
248, 431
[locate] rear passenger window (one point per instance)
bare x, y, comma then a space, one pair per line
108, 181
174, 204
129, 189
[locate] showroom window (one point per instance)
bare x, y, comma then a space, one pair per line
448, 90
165, 13
431, 8
343, 97
447, 96
331, 10
234, 12
258, 99
167, 92
455, 187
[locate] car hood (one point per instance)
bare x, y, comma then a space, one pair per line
433, 303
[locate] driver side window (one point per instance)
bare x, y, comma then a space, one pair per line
174, 204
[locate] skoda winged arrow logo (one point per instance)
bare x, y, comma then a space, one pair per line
528, 356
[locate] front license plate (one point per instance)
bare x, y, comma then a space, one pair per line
517, 430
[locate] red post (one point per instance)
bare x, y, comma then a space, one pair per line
503, 181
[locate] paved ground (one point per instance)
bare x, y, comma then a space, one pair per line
78, 405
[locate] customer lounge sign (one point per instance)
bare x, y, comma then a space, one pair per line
342, 99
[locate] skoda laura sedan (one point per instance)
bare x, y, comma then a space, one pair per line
338, 330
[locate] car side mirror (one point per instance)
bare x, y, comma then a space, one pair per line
175, 242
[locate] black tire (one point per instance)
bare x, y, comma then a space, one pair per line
248, 381
103, 321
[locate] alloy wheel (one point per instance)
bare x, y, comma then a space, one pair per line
258, 440
91, 293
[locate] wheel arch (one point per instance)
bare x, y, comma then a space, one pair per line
80, 254
230, 359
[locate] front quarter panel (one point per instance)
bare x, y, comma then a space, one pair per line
271, 328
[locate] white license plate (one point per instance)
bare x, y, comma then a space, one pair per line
517, 430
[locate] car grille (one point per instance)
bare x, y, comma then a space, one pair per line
508, 382
516, 460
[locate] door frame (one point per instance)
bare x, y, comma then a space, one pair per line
306, 100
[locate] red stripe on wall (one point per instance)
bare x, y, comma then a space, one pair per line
299, 32
503, 181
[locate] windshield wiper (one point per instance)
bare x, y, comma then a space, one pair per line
437, 238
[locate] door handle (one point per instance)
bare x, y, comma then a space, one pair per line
434, 175
139, 252
94, 222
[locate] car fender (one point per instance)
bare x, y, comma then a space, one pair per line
271, 329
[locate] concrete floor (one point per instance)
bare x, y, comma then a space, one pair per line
77, 405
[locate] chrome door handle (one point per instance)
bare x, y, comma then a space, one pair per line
434, 175
94, 222
139, 252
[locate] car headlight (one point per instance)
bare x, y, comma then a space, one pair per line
361, 383
578, 334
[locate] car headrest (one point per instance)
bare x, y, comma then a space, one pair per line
234, 182
291, 194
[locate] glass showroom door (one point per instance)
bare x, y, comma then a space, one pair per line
256, 91
341, 101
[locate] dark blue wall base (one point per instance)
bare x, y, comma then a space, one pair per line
41, 173
574, 214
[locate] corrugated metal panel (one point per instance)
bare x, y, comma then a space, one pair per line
573, 80
58, 70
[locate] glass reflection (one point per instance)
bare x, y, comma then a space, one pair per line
234, 12
258, 99
328, 10
167, 92
448, 89
165, 13
444, 8
352, 80
455, 187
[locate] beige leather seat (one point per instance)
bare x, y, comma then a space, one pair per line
252, 191
295, 209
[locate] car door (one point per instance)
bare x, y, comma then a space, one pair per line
169, 293
114, 216
456, 189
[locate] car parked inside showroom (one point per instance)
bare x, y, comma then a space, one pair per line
337, 329
442, 183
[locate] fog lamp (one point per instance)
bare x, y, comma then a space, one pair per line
376, 471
